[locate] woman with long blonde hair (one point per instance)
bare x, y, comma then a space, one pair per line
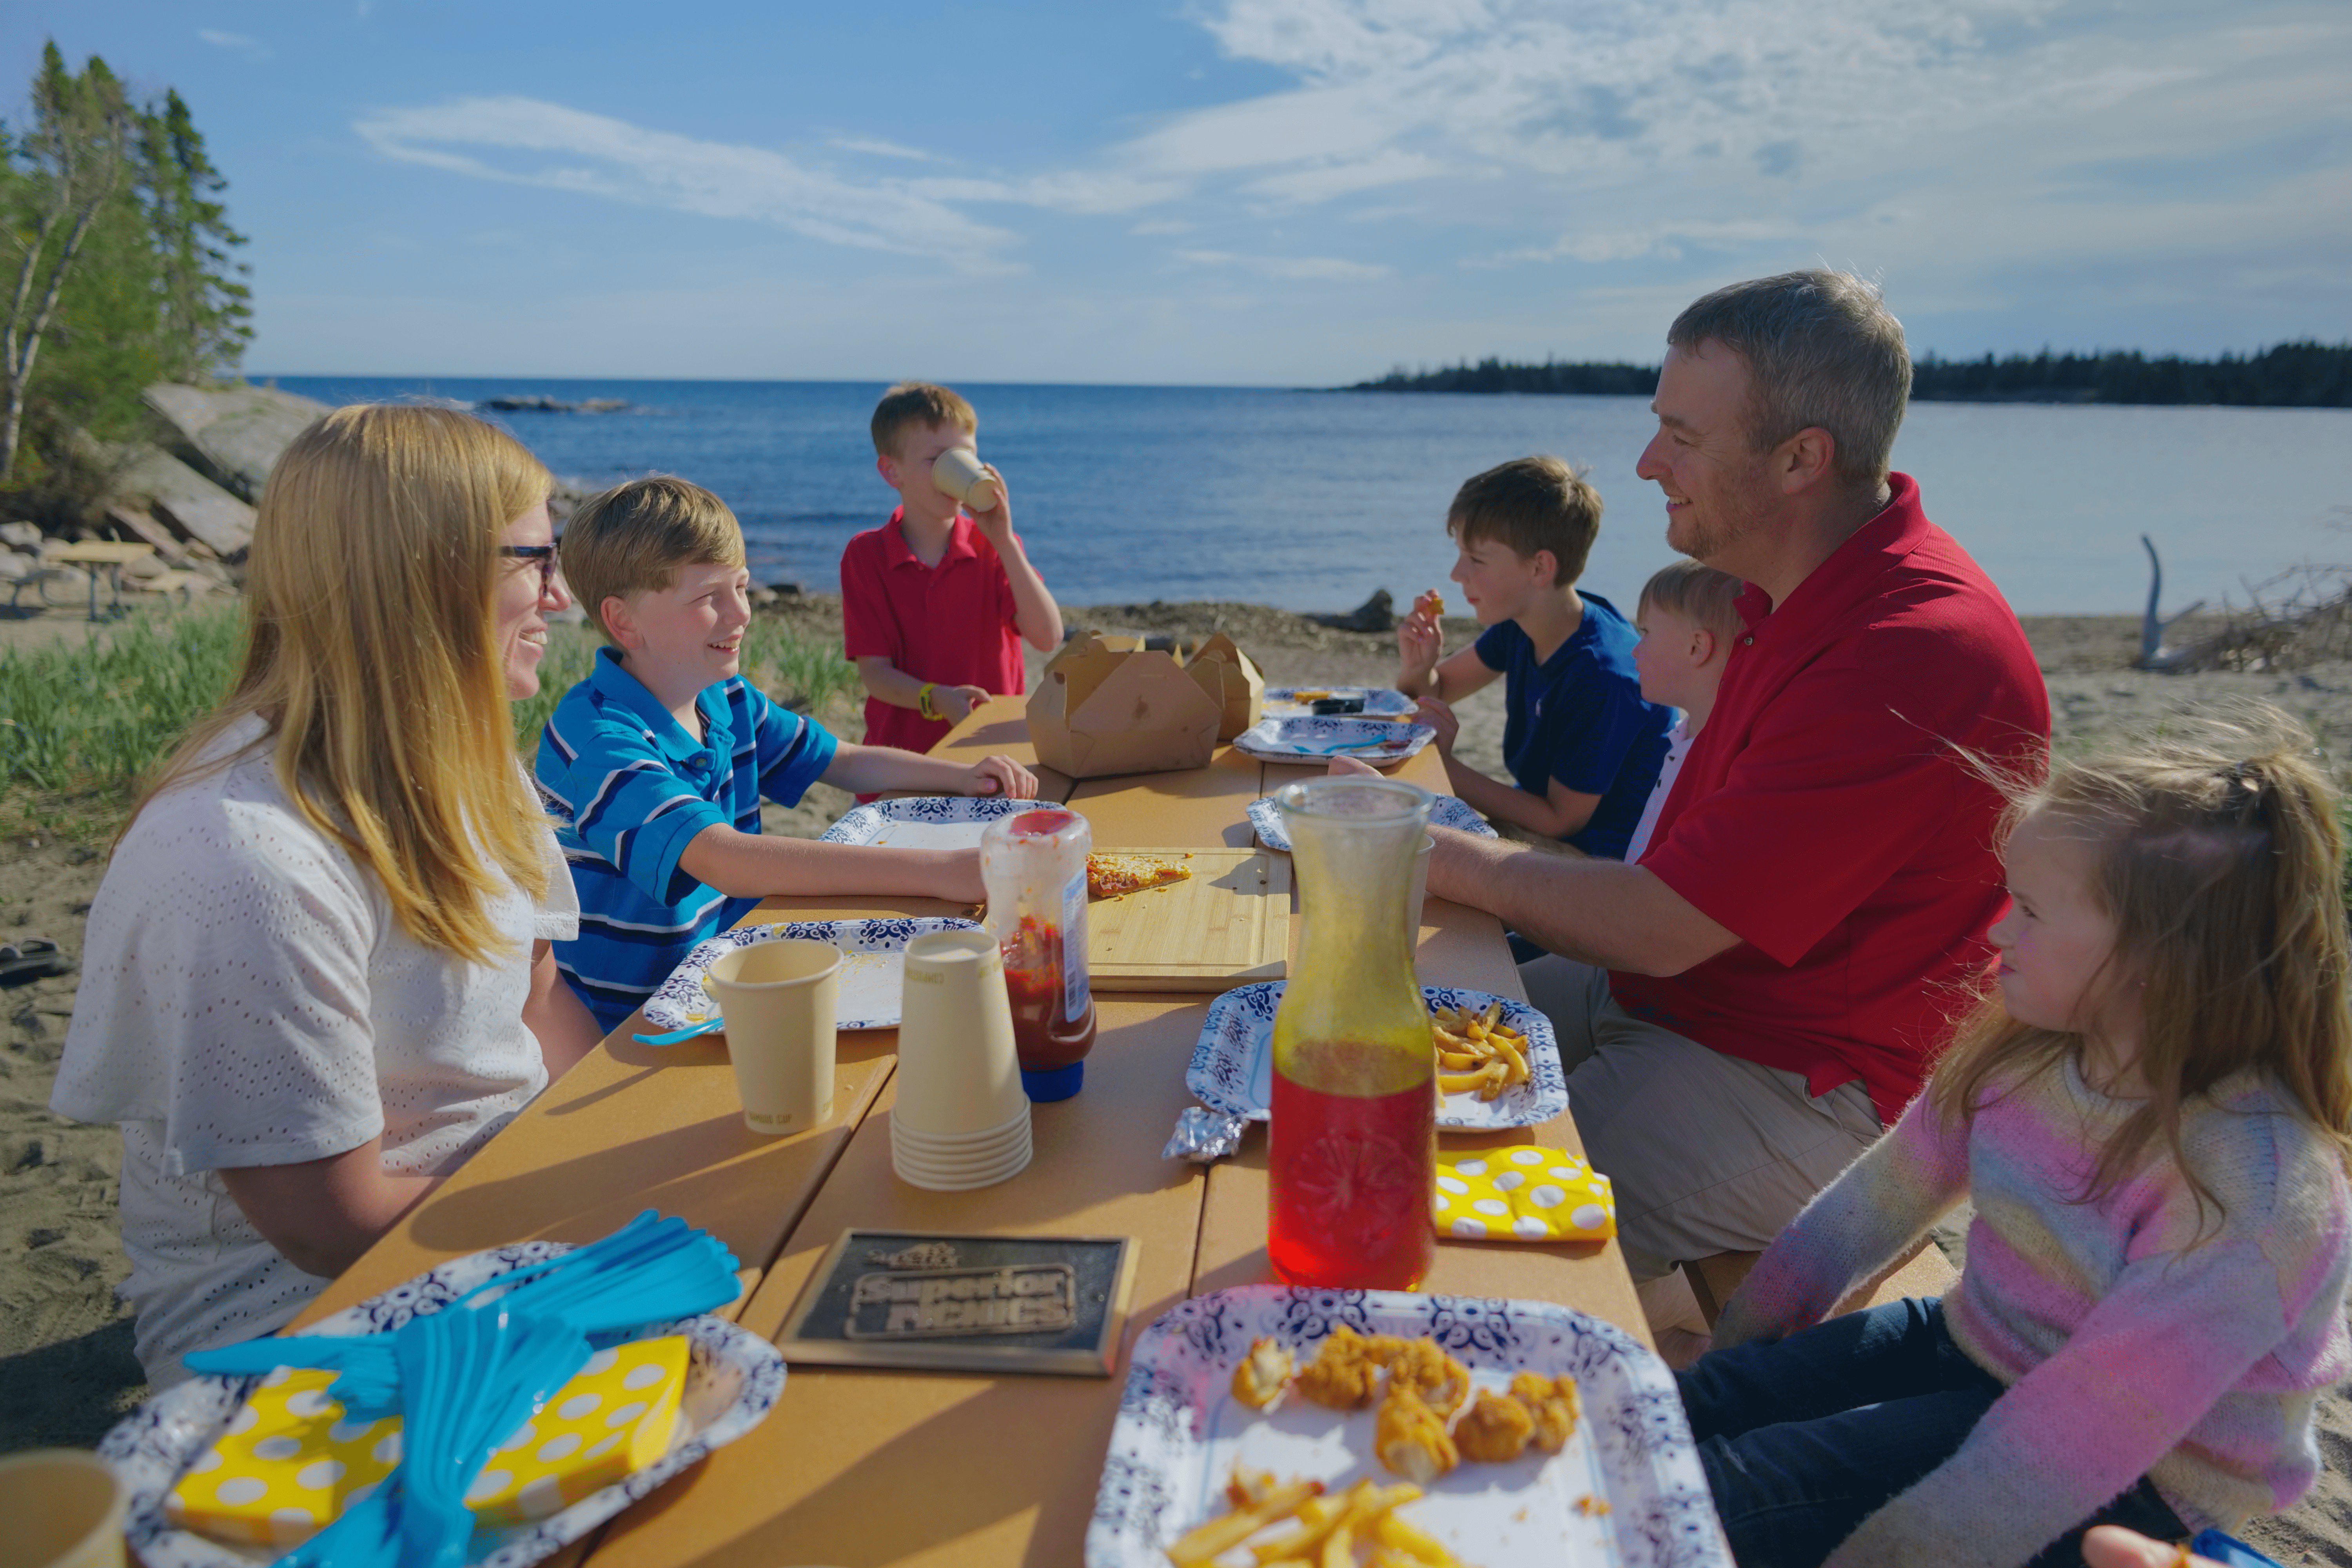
2152, 1115
318, 973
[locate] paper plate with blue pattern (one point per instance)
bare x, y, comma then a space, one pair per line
873, 968
733, 1379
1444, 811
1379, 702
1625, 1491
1233, 1062
928, 821
1378, 742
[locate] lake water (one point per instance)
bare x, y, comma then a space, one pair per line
1311, 501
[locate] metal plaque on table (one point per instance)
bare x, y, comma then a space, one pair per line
966, 1303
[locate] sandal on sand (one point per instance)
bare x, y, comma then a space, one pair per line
34, 958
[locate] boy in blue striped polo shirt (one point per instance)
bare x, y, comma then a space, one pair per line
654, 766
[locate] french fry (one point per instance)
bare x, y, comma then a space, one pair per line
1308, 1542
1404, 1537
1494, 1011
1498, 1077
1460, 1061
1461, 1082
1513, 1058
1198, 1546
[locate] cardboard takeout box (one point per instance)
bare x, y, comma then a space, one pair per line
1229, 677
1106, 705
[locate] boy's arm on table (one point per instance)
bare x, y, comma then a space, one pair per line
322, 1214
1860, 1223
1034, 611
869, 770
2176, 1331
753, 866
1555, 814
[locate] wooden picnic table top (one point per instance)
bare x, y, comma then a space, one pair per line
859, 1466
99, 553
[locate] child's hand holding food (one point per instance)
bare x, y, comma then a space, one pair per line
1420, 641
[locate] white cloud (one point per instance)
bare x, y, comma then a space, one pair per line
236, 41
875, 147
1323, 268
1662, 241
527, 142
1161, 225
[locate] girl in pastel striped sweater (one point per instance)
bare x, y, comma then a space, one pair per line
2152, 1116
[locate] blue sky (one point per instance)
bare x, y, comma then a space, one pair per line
1285, 192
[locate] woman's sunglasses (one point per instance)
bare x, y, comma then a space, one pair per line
544, 554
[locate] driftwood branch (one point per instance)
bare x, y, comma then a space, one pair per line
2301, 616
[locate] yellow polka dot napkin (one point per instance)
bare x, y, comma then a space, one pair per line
290, 1463
1522, 1193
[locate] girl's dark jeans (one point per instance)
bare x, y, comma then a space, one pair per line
1805, 1438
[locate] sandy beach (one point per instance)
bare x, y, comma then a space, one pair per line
66, 1368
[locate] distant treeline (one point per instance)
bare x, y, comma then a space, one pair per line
2291, 375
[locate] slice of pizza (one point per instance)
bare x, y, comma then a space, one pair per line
1116, 876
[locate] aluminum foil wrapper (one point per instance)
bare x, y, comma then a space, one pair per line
1202, 1135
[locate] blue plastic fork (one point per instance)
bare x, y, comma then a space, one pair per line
708, 1026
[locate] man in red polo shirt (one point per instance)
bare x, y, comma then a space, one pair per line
1744, 1011
935, 603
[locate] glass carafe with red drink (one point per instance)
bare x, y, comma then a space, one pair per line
1353, 1144
1034, 865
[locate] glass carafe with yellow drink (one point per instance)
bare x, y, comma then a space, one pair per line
1353, 1144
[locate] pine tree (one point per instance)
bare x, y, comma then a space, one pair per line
125, 271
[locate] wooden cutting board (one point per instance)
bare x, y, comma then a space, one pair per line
1227, 925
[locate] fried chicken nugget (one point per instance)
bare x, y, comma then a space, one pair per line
1262, 1375
1495, 1431
1420, 1365
1409, 1438
1552, 1404
1343, 1376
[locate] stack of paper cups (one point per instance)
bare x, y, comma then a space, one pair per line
957, 471
961, 1120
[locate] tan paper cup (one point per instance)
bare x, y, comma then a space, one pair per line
62, 1509
920, 1171
957, 1072
1419, 890
780, 999
906, 1142
957, 471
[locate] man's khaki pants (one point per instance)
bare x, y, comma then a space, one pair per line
1708, 1153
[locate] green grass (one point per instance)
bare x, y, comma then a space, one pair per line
83, 720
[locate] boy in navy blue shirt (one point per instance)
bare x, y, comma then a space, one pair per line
654, 765
1582, 747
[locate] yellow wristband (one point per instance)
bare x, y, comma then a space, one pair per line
923, 700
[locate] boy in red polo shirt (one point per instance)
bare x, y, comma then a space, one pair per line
935, 603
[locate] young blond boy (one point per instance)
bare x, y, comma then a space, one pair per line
654, 765
1582, 746
935, 603
1688, 621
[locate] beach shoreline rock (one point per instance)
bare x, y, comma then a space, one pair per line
231, 434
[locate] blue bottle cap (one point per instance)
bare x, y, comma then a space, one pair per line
1054, 1083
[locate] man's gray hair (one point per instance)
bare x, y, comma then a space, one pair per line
1823, 350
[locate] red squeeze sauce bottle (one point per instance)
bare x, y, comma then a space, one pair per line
1034, 865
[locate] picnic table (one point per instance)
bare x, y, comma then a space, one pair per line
102, 553
859, 1466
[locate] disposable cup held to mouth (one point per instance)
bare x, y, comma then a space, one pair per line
63, 1510
780, 999
958, 472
